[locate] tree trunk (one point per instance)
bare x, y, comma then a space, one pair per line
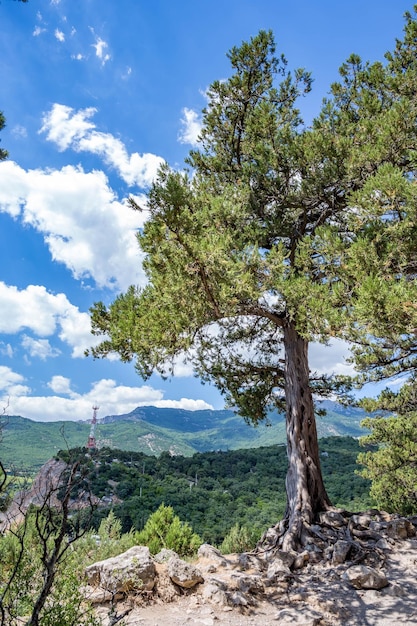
306, 494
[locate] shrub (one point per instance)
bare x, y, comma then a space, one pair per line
165, 530
239, 539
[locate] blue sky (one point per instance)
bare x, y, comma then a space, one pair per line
96, 95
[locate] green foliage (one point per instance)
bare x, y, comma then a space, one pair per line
232, 244
165, 530
282, 235
213, 491
110, 527
240, 539
392, 463
22, 577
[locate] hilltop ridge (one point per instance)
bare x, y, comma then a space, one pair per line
29, 444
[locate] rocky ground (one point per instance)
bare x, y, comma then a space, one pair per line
371, 582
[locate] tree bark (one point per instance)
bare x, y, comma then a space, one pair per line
306, 494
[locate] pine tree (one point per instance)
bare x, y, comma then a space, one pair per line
259, 248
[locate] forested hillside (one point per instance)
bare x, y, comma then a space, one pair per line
213, 491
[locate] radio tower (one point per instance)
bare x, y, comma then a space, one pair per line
91, 443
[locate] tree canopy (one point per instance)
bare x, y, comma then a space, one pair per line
277, 235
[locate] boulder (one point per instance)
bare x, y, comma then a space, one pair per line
364, 577
400, 529
132, 570
206, 551
164, 555
183, 574
214, 591
340, 551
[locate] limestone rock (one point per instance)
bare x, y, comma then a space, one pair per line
248, 584
364, 577
164, 555
183, 574
215, 591
340, 551
400, 529
206, 551
132, 570
362, 521
277, 570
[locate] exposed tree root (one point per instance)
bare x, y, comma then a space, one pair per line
335, 537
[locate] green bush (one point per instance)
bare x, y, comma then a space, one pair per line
240, 539
165, 530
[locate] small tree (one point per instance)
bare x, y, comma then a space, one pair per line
164, 529
34, 549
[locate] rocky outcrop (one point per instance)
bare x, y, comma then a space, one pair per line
44, 488
134, 570
357, 557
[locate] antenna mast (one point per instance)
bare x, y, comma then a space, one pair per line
91, 443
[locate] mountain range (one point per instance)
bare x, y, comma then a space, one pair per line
26, 444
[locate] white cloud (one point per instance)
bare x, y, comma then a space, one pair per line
113, 399
19, 132
43, 313
38, 31
6, 349
59, 35
82, 222
185, 403
68, 128
10, 384
78, 57
64, 126
100, 46
190, 127
60, 384
331, 359
40, 348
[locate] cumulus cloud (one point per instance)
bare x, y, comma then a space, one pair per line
11, 384
82, 222
61, 385
190, 127
40, 348
64, 126
59, 35
74, 129
113, 399
43, 313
